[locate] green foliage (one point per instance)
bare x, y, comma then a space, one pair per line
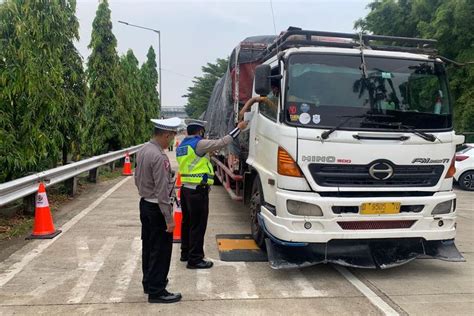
74, 85
450, 22
103, 113
33, 36
149, 99
130, 96
49, 107
198, 95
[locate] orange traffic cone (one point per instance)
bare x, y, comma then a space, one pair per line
43, 227
178, 182
127, 166
178, 218
178, 214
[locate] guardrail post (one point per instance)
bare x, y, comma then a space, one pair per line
93, 175
71, 186
29, 204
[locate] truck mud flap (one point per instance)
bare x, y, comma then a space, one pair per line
370, 254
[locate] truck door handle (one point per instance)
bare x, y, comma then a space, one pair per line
256, 139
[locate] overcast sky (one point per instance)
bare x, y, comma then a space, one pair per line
195, 32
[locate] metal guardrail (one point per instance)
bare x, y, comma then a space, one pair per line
16, 189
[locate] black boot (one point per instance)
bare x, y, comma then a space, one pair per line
204, 264
164, 297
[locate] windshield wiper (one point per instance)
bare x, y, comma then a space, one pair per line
326, 134
425, 136
398, 125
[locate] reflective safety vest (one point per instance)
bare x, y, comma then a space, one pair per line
194, 169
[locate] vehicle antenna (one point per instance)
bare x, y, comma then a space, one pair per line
274, 25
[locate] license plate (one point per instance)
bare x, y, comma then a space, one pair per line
380, 208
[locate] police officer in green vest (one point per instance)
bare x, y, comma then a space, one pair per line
197, 175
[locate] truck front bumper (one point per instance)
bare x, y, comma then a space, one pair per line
352, 239
346, 226
359, 253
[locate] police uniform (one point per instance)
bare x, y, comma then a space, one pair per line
197, 175
155, 181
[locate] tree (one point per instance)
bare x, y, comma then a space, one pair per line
198, 95
74, 85
150, 97
103, 121
32, 39
448, 21
130, 96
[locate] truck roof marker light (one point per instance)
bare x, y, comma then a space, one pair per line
452, 169
287, 165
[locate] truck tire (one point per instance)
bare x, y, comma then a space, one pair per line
255, 203
466, 180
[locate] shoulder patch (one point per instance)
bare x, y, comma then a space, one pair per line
167, 164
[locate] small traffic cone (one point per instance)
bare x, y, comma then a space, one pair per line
178, 213
178, 218
178, 182
127, 166
43, 227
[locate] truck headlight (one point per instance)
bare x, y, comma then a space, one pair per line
443, 208
303, 209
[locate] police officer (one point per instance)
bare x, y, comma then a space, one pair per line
197, 175
155, 181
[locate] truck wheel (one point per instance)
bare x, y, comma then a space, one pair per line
255, 202
466, 180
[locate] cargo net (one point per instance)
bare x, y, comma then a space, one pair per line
233, 90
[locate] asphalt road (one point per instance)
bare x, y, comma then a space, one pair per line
94, 267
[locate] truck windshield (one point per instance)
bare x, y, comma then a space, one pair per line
324, 90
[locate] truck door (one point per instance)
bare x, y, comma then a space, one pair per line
264, 134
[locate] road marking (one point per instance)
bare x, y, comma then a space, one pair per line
306, 288
126, 273
18, 266
82, 251
245, 286
364, 289
203, 282
90, 271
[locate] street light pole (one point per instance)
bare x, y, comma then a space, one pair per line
159, 53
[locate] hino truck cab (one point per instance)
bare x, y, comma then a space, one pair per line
351, 154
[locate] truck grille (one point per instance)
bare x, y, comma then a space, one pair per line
365, 225
333, 175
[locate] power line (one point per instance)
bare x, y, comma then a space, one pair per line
177, 73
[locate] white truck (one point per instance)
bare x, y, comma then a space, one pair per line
350, 159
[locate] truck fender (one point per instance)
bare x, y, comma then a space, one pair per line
248, 184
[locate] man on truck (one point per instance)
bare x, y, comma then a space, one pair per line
197, 175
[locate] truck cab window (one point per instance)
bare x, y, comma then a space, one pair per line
269, 108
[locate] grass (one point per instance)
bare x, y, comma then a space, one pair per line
15, 226
106, 174
20, 224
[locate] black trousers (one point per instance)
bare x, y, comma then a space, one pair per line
157, 245
195, 208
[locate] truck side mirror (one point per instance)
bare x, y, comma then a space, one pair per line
262, 80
